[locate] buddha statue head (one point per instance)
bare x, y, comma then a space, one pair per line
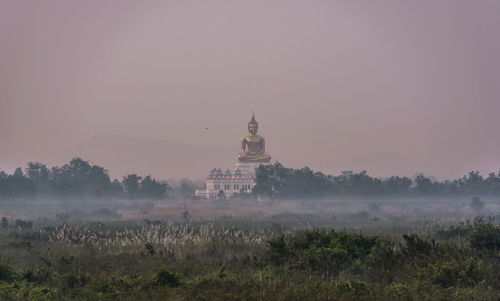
253, 126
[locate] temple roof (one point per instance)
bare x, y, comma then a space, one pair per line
217, 174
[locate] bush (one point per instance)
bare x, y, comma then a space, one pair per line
355, 287
414, 246
455, 272
166, 278
321, 250
462, 230
35, 275
7, 273
21, 290
486, 237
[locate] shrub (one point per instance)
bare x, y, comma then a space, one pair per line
77, 279
414, 246
7, 273
35, 275
486, 237
21, 290
356, 287
455, 272
322, 250
164, 277
463, 230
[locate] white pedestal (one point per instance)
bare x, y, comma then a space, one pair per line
248, 168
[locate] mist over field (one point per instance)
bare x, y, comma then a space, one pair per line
81, 191
71, 232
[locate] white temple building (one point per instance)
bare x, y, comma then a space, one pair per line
229, 183
242, 178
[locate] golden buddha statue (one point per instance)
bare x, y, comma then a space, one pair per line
253, 146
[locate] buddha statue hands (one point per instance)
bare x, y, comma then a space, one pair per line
253, 146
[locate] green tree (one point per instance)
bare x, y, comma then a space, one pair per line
79, 178
16, 185
152, 189
131, 185
187, 188
398, 185
425, 185
40, 175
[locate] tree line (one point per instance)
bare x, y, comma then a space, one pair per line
77, 179
81, 179
278, 182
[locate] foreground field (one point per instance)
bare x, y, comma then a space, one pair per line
248, 260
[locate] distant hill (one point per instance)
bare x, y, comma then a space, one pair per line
160, 158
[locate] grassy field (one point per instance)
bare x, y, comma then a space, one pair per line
244, 258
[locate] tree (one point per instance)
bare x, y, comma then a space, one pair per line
264, 185
473, 183
424, 185
152, 189
362, 183
187, 188
276, 181
81, 179
131, 185
16, 185
18, 173
397, 185
493, 183
40, 175
137, 187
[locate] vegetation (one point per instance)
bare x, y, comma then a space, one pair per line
278, 182
304, 254
78, 179
131, 260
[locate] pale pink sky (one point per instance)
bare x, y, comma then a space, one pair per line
393, 87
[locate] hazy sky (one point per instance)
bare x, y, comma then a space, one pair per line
393, 87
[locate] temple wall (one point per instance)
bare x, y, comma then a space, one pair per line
242, 178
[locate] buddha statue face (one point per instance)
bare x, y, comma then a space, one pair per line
252, 128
